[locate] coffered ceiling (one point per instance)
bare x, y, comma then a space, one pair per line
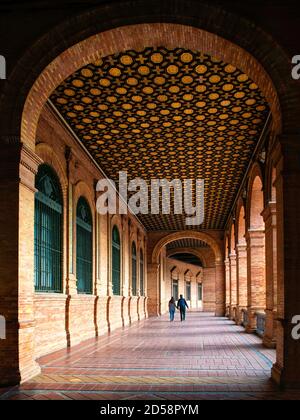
173, 114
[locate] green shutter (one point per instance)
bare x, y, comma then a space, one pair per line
188, 290
134, 270
48, 232
175, 289
84, 241
116, 262
142, 286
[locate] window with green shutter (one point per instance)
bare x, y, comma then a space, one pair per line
134, 270
48, 232
142, 285
116, 262
188, 290
84, 246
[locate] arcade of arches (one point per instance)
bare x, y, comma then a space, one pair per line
159, 100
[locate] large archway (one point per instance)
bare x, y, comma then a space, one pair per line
201, 236
215, 271
193, 28
101, 19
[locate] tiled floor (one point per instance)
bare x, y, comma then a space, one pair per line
202, 358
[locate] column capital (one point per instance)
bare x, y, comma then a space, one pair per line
255, 233
29, 164
241, 247
269, 210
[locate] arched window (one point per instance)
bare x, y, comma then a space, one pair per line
134, 270
48, 232
142, 280
116, 262
84, 246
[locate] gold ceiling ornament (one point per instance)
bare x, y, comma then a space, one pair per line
167, 114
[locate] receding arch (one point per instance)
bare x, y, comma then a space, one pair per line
195, 252
256, 204
241, 225
232, 240
201, 236
255, 199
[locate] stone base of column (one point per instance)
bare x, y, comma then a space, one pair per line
233, 313
16, 376
283, 379
252, 323
277, 373
153, 308
269, 339
268, 342
239, 315
220, 311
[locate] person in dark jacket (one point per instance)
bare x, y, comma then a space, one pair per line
172, 309
182, 305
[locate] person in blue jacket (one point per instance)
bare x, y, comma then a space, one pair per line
182, 305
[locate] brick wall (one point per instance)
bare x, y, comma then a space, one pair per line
69, 318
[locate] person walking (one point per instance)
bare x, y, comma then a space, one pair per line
172, 309
182, 305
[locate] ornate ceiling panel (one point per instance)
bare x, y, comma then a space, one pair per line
173, 114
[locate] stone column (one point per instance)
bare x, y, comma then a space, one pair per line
286, 371
241, 254
256, 275
228, 288
220, 288
153, 288
269, 215
18, 167
233, 286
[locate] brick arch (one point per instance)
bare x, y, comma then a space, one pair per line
241, 223
48, 155
138, 37
81, 189
188, 273
271, 175
232, 239
201, 236
255, 198
192, 251
176, 270
215, 35
115, 220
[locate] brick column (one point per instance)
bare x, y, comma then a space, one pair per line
220, 288
18, 167
286, 371
228, 288
233, 286
242, 302
256, 275
269, 215
153, 288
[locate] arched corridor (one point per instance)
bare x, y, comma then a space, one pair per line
150, 153
207, 358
